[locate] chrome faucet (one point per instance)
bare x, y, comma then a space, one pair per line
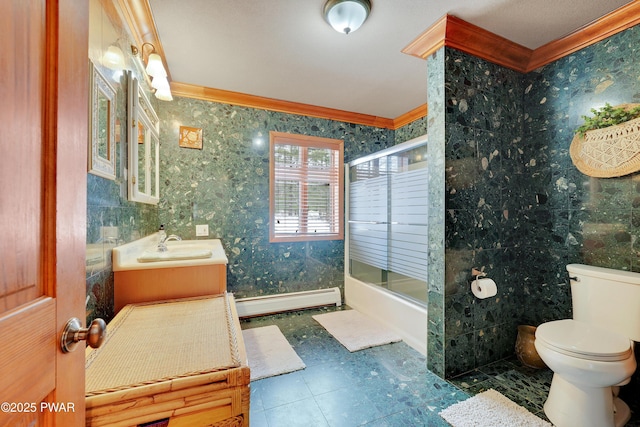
162, 244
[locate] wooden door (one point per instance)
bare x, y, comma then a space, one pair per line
43, 146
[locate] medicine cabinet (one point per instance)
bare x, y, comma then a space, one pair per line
144, 146
102, 147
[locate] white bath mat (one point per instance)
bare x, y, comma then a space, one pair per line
490, 409
355, 330
269, 353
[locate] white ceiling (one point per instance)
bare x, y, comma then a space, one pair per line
283, 49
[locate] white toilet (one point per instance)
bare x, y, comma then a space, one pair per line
593, 352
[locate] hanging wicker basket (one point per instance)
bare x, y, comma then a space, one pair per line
608, 152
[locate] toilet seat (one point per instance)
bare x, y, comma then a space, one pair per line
584, 341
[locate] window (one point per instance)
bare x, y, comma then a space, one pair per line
306, 188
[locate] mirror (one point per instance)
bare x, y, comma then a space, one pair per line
144, 146
102, 147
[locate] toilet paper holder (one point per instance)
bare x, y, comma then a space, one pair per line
477, 273
482, 288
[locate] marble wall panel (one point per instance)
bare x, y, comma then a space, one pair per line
532, 211
591, 218
226, 185
436, 125
412, 130
111, 219
487, 186
505, 195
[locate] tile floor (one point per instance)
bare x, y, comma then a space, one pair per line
381, 386
529, 387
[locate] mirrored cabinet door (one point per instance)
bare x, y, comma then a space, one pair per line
144, 146
102, 147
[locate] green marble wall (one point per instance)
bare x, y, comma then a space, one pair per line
226, 185
587, 220
111, 219
436, 129
475, 122
514, 203
412, 130
505, 194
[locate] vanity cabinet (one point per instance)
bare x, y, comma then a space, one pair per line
174, 363
136, 286
188, 268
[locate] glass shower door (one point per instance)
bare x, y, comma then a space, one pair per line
388, 211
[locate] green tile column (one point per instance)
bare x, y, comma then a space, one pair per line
436, 271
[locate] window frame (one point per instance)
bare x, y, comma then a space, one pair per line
304, 142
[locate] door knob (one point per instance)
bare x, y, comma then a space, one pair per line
94, 335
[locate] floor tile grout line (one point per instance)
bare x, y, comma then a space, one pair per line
529, 388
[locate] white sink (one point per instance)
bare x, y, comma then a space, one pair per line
175, 254
143, 254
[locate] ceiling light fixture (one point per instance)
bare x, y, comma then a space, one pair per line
156, 71
346, 16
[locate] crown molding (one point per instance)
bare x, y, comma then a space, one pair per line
139, 19
447, 31
615, 22
432, 39
236, 98
410, 116
454, 32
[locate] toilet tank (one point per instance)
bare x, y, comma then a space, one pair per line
606, 297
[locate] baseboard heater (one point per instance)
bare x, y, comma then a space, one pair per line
271, 304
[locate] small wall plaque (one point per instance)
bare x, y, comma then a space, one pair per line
190, 137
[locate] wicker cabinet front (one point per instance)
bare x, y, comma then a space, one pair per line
175, 363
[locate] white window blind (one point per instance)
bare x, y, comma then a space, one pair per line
306, 188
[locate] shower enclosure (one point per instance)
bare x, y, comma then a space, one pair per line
387, 245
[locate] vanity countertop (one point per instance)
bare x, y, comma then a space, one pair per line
126, 257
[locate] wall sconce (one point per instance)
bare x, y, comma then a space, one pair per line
113, 59
346, 16
156, 71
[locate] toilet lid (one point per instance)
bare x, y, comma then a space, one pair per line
584, 341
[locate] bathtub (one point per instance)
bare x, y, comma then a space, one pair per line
406, 318
374, 231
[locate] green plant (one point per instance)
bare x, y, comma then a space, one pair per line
607, 116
